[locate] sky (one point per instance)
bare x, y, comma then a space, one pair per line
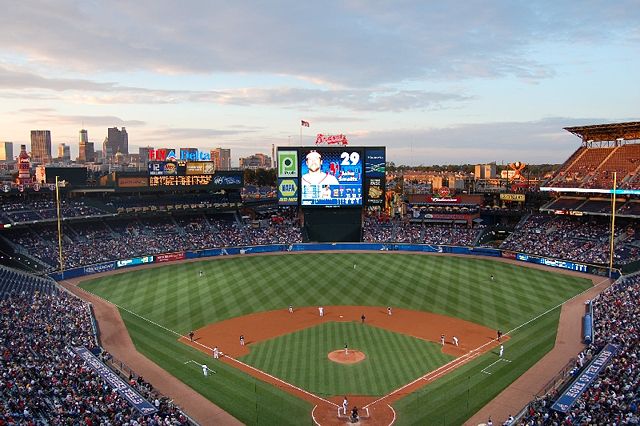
435, 82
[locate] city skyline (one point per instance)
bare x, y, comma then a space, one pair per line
435, 83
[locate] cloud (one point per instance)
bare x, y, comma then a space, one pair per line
354, 44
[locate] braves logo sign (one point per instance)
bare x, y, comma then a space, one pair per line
517, 168
332, 139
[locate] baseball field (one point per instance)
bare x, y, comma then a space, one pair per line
236, 295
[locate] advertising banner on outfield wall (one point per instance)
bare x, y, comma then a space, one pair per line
134, 261
168, 257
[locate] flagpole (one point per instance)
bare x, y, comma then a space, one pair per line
301, 133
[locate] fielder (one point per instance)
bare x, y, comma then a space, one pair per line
205, 370
216, 353
242, 340
501, 350
321, 311
290, 309
442, 339
455, 340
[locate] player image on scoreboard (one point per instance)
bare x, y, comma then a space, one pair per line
330, 177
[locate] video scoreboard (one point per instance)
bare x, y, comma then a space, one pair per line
331, 176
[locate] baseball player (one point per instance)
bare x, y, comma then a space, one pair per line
242, 340
442, 339
321, 311
290, 309
345, 404
389, 310
491, 277
205, 370
499, 335
455, 340
501, 350
201, 273
191, 334
216, 353
363, 318
346, 349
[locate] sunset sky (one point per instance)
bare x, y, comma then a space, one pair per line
435, 82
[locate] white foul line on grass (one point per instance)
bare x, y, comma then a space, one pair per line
207, 347
495, 362
468, 356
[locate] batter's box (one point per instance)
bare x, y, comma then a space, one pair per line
486, 369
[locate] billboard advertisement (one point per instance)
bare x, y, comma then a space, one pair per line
287, 163
228, 180
163, 168
200, 168
133, 182
331, 176
374, 191
375, 160
287, 192
134, 261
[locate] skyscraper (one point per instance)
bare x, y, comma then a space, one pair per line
222, 158
117, 140
83, 139
6, 151
41, 146
64, 152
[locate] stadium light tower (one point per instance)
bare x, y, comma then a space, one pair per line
613, 221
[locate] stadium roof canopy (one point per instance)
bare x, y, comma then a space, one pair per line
607, 132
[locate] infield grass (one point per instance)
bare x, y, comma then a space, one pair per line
175, 297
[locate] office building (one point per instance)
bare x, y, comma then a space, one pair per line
6, 151
41, 146
83, 139
116, 141
256, 161
64, 152
222, 158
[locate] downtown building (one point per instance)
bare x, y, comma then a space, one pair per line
41, 146
116, 141
221, 158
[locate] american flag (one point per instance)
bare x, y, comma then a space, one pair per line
304, 123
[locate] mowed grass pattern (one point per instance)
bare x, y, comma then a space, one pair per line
175, 297
392, 359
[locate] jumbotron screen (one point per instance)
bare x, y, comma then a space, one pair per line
331, 176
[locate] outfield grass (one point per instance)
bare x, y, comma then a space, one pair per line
392, 359
175, 297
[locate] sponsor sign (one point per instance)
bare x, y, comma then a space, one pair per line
443, 200
287, 164
564, 264
508, 255
374, 191
135, 261
103, 267
162, 168
512, 197
133, 182
168, 257
287, 192
185, 154
200, 168
582, 382
375, 160
228, 179
115, 382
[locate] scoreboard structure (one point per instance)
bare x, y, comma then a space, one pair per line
331, 185
331, 176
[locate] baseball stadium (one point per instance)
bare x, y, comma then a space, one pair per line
343, 293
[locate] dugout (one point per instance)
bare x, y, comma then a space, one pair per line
332, 225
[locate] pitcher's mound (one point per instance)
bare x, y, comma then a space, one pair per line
352, 357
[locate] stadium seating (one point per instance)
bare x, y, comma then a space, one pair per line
612, 398
42, 381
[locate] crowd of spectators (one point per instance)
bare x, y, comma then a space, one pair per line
42, 380
400, 230
579, 239
613, 397
45, 209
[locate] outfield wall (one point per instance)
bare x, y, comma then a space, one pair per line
311, 247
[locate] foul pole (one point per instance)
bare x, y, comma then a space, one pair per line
60, 258
613, 222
